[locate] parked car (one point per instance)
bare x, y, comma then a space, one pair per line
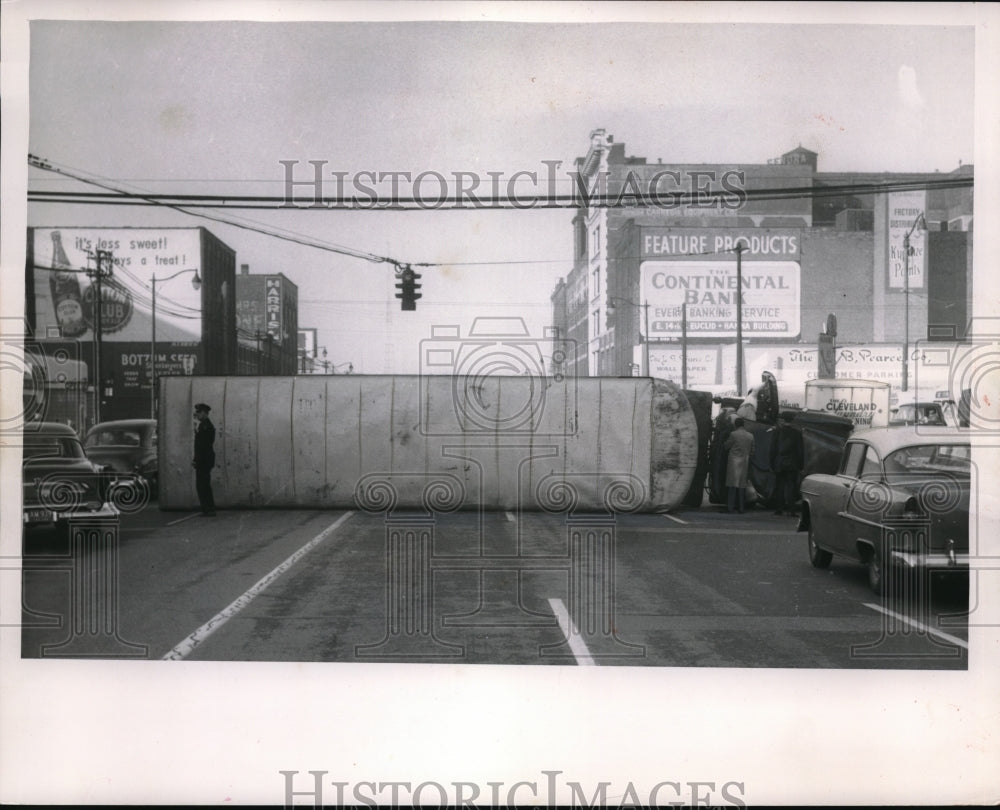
933, 414
60, 484
898, 502
127, 446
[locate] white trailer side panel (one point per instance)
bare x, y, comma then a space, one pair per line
437, 442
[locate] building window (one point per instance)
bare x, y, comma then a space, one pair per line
596, 284
595, 329
595, 241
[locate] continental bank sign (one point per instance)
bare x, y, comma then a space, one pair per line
694, 269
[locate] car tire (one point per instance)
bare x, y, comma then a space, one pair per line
819, 557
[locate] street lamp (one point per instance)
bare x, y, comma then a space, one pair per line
906, 299
196, 283
610, 306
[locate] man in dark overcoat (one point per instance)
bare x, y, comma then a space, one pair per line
204, 459
787, 460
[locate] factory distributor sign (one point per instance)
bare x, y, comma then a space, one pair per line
905, 208
690, 274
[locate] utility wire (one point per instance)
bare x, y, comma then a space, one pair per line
145, 199
182, 202
623, 199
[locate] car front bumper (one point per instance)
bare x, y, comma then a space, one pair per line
939, 560
38, 516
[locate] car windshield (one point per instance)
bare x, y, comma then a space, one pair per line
114, 437
921, 414
955, 459
51, 447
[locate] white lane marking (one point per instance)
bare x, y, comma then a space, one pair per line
676, 519
510, 517
185, 647
576, 644
181, 520
919, 625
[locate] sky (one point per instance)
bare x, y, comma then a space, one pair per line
212, 107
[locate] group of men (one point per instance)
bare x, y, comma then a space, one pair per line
787, 460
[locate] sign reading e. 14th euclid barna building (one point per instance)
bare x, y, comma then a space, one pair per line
694, 269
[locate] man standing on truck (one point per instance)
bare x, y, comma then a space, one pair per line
787, 460
204, 459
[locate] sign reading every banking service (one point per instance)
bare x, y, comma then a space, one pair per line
709, 291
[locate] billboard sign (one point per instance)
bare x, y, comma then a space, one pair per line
711, 244
131, 367
708, 289
905, 207
65, 294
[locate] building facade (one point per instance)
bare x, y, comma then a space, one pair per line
660, 251
267, 323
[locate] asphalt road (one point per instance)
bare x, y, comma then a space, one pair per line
697, 588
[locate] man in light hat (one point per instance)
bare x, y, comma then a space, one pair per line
204, 459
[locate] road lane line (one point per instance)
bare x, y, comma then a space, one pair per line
677, 520
187, 646
919, 625
181, 520
576, 644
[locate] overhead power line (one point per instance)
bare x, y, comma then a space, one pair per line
123, 196
115, 195
625, 198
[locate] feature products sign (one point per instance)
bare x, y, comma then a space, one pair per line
704, 293
65, 292
714, 244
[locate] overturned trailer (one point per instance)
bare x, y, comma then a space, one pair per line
438, 443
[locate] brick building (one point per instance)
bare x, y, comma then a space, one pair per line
655, 268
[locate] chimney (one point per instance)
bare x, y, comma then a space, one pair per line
244, 269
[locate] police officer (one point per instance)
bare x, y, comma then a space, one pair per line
204, 459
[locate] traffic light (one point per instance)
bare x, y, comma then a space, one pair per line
408, 286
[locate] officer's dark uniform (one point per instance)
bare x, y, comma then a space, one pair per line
204, 460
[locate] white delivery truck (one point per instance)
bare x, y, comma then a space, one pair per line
864, 402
